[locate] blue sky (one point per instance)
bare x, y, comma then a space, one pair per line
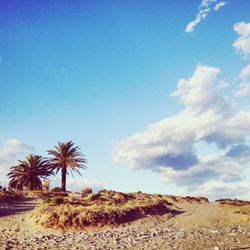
98, 72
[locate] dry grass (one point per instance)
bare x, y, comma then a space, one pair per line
239, 207
42, 194
9, 196
104, 208
233, 202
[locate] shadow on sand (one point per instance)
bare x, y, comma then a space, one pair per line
18, 206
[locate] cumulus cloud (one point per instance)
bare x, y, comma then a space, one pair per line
242, 43
244, 89
13, 148
9, 152
244, 77
245, 72
239, 151
168, 146
205, 7
226, 169
225, 190
76, 184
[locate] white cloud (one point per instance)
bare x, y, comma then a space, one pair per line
13, 148
206, 3
225, 190
219, 5
242, 43
201, 15
168, 146
224, 168
223, 84
204, 9
9, 152
244, 89
76, 184
244, 76
245, 72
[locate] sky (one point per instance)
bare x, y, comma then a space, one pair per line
155, 93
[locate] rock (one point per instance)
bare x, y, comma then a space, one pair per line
214, 231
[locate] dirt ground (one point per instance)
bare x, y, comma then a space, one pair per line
199, 226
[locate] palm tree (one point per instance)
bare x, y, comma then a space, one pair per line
67, 156
28, 173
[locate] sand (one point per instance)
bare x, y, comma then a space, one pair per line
199, 226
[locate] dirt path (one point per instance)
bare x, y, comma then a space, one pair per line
17, 207
209, 215
206, 214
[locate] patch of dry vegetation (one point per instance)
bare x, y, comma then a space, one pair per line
239, 208
233, 202
42, 194
9, 196
12, 196
104, 208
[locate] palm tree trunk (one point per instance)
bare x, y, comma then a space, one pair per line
30, 186
64, 173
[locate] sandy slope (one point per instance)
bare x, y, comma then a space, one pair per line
210, 215
200, 226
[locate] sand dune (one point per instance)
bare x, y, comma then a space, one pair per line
197, 226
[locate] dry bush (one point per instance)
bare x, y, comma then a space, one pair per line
63, 194
56, 189
57, 200
196, 199
86, 190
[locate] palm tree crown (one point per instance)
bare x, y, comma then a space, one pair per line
67, 156
28, 173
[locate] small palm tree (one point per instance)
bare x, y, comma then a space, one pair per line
67, 156
28, 173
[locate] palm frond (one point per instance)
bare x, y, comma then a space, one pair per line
28, 173
67, 156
